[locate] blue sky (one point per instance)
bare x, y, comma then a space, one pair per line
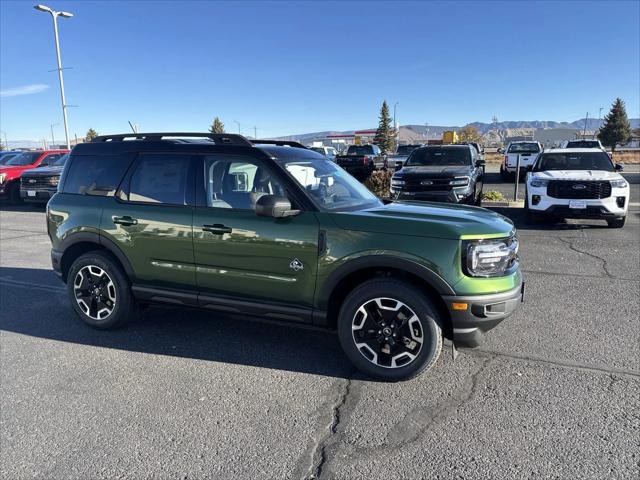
295, 67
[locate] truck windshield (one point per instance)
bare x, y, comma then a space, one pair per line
405, 149
526, 147
583, 144
61, 161
329, 186
574, 161
26, 158
360, 150
440, 156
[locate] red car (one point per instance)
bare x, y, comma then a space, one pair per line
11, 171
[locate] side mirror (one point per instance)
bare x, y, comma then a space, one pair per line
275, 207
619, 167
501, 150
480, 163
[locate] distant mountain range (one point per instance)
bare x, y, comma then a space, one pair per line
435, 131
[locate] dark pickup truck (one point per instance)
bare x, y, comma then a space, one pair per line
444, 173
361, 160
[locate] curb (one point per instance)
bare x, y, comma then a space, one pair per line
503, 203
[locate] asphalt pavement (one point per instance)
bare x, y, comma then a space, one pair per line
185, 394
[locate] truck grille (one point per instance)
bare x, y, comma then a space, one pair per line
34, 183
423, 184
576, 189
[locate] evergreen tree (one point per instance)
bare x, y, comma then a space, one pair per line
616, 128
385, 135
217, 126
91, 134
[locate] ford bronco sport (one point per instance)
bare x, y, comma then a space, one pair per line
272, 229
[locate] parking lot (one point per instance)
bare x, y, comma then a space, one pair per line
184, 394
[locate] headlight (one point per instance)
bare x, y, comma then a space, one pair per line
396, 182
490, 258
620, 183
539, 182
459, 182
2, 177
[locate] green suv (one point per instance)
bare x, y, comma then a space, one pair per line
275, 230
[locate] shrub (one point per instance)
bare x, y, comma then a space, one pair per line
492, 195
379, 182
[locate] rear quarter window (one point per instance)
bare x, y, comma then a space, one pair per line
94, 174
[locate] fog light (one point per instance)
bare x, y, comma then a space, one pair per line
535, 199
620, 202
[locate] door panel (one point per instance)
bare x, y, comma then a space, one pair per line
159, 244
254, 261
240, 254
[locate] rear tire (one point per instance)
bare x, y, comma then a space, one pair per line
616, 222
99, 291
504, 174
390, 330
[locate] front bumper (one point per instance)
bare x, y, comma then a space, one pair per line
482, 313
41, 195
448, 196
595, 208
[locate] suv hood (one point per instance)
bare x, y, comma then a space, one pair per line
43, 171
428, 219
436, 170
577, 175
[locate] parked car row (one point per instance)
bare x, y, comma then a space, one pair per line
12, 170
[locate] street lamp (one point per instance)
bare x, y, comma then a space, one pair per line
53, 140
54, 16
235, 121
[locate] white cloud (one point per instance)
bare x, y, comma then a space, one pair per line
24, 90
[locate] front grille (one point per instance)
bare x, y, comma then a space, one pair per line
415, 184
35, 183
576, 189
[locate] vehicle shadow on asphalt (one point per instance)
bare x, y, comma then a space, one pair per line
5, 206
44, 312
519, 219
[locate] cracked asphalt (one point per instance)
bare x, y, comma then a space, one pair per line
554, 392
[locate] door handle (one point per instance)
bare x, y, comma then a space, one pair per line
126, 220
216, 228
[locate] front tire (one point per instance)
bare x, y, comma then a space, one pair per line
616, 222
390, 330
99, 291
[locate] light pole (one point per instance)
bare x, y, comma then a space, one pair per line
599, 116
235, 121
6, 143
53, 140
54, 16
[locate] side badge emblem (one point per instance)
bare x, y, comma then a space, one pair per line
296, 265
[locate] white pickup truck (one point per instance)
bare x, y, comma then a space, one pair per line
528, 152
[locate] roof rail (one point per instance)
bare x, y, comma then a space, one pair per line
280, 143
218, 138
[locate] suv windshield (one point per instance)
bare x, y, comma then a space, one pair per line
440, 156
329, 186
26, 158
583, 144
405, 149
574, 161
526, 147
360, 150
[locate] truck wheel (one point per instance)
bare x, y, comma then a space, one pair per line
99, 291
390, 330
504, 174
616, 222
